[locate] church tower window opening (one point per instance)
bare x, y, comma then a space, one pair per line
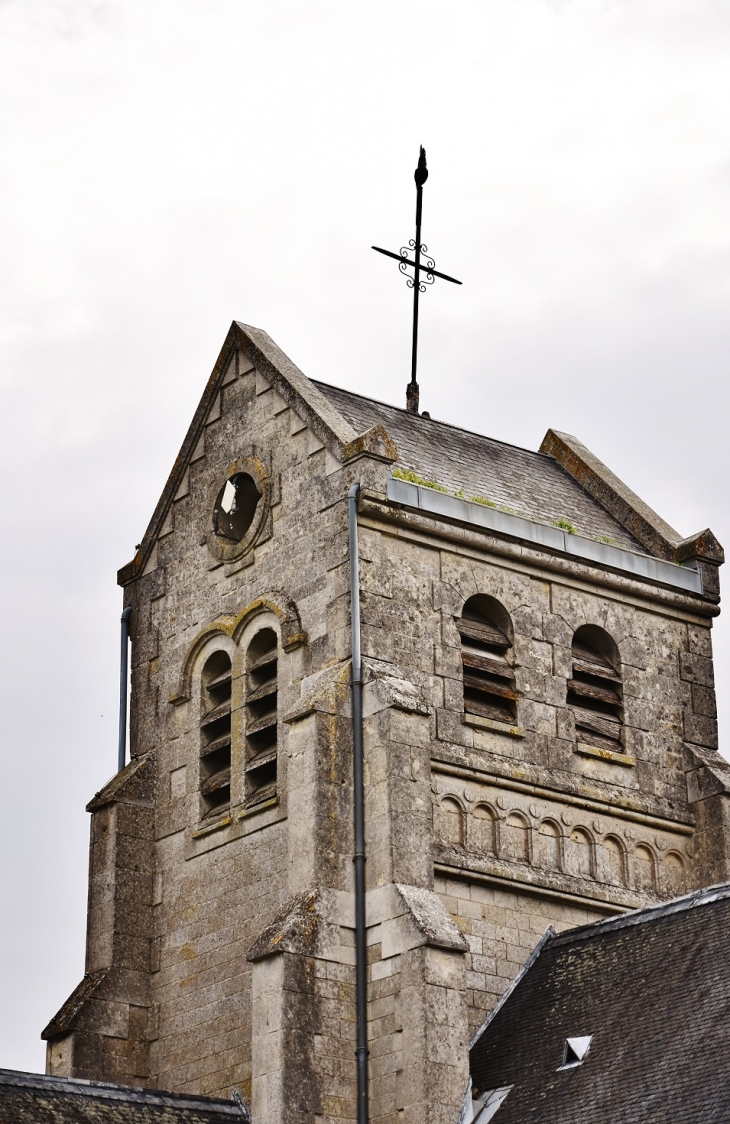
235, 507
215, 736
261, 717
595, 691
486, 647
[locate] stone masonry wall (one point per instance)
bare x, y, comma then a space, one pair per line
502, 927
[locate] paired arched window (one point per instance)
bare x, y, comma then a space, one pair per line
594, 691
215, 736
261, 716
261, 726
486, 643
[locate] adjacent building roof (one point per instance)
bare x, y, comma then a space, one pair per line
649, 990
32, 1098
521, 481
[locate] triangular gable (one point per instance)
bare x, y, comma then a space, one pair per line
316, 412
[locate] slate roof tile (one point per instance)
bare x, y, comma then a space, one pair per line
33, 1098
528, 483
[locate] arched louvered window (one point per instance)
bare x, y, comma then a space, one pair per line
486, 643
215, 736
594, 692
261, 717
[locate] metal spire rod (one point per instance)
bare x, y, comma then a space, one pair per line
423, 274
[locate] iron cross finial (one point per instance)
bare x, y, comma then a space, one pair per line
424, 274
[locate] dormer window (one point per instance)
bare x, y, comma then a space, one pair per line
215, 736
486, 647
575, 1051
484, 1105
594, 691
261, 717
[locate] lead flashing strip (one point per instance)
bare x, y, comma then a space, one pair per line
640, 566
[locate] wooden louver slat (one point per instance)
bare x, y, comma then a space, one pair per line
487, 706
501, 690
598, 670
217, 781
222, 680
590, 655
260, 724
220, 711
264, 691
598, 723
490, 662
593, 691
483, 631
218, 743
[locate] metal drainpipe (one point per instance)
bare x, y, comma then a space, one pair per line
123, 677
361, 1052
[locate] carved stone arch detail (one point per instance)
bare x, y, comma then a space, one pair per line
613, 854
456, 799
548, 844
515, 837
674, 874
644, 867
276, 602
450, 827
481, 828
580, 852
283, 607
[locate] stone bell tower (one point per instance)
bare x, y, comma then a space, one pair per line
539, 746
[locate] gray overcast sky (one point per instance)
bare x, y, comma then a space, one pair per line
168, 165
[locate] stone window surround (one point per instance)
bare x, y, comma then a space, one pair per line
239, 819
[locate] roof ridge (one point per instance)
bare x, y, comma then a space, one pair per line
705, 896
110, 1091
437, 421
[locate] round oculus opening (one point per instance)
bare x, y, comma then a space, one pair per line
235, 507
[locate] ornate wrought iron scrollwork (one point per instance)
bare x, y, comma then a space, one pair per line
426, 266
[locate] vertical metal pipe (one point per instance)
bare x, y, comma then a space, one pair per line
361, 1052
123, 690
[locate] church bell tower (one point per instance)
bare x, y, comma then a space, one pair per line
538, 730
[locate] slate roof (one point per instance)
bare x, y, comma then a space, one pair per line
32, 1098
528, 483
653, 989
